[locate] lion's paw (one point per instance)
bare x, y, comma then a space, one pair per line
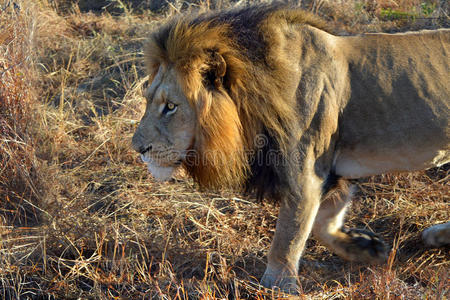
359, 245
437, 235
280, 280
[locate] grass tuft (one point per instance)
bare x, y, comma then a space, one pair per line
19, 184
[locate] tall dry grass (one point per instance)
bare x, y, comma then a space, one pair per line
19, 184
82, 218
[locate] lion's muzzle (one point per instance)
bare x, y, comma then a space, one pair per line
161, 164
161, 173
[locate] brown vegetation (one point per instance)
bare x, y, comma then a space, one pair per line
18, 182
80, 217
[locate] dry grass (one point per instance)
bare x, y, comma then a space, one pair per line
80, 217
18, 182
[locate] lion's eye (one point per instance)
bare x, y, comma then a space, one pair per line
169, 108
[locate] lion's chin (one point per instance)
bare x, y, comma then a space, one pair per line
160, 173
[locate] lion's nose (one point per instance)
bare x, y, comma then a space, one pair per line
138, 146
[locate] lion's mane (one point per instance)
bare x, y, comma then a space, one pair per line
254, 100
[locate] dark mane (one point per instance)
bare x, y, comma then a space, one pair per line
245, 23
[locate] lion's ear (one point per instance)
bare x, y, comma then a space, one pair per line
215, 70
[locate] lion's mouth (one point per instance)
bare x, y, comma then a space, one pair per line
160, 167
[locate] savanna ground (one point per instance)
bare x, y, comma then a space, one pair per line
80, 217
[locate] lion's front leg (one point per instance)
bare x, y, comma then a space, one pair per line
295, 221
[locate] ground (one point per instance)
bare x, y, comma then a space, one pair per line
80, 217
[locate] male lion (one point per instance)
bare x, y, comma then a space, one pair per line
265, 98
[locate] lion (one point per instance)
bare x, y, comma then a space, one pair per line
266, 98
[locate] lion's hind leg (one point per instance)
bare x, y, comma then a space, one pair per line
350, 243
437, 235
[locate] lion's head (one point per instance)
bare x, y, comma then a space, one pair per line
190, 119
210, 96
